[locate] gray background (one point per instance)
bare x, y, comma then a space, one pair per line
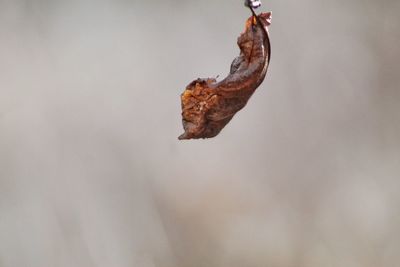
92, 173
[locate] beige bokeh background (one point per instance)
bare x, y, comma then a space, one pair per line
92, 173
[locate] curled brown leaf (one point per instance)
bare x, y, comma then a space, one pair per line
208, 105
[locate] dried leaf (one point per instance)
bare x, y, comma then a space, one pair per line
208, 105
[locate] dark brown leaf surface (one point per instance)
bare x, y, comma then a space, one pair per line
208, 105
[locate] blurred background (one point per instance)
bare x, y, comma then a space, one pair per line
92, 173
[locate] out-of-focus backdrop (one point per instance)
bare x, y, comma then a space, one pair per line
92, 173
